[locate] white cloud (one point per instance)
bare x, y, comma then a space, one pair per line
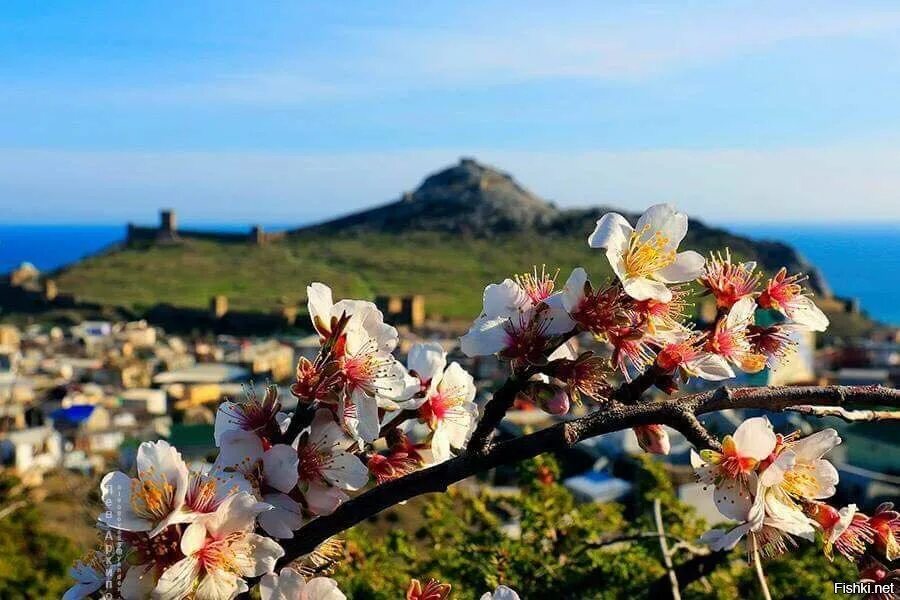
853, 182
491, 46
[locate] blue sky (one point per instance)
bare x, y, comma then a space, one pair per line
290, 112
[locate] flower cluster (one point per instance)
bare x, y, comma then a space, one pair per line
202, 532
642, 315
776, 487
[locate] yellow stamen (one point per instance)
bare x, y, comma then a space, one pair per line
647, 254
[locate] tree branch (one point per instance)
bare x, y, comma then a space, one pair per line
300, 420
612, 417
847, 415
494, 411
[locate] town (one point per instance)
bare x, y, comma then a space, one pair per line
79, 398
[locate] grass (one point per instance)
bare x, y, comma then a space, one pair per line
449, 270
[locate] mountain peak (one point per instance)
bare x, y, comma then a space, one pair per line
468, 197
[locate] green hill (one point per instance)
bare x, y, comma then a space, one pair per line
462, 228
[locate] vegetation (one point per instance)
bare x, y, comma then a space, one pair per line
562, 549
34, 562
443, 267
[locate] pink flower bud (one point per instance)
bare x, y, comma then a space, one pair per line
558, 403
550, 398
653, 439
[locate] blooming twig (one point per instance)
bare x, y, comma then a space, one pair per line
614, 417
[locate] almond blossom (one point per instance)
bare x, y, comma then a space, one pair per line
370, 376
326, 469
323, 311
885, 521
786, 295
518, 321
645, 258
730, 337
729, 282
148, 559
595, 311
152, 500
770, 525
90, 573
272, 475
733, 470
798, 469
846, 530
219, 552
449, 411
683, 354
289, 584
260, 417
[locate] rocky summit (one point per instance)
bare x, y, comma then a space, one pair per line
468, 197
477, 200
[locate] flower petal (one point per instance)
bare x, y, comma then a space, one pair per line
285, 518
219, 584
428, 361
642, 288
177, 581
319, 301
803, 310
734, 499
505, 299
193, 538
665, 220
688, 266
774, 473
239, 447
487, 336
816, 445
280, 467
612, 228
115, 490
323, 588
573, 292
710, 367
346, 471
324, 499
754, 438
458, 382
264, 552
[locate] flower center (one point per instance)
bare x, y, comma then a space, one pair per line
151, 495
219, 554
647, 254
537, 286
674, 355
312, 463
437, 406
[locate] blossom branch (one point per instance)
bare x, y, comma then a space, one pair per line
614, 417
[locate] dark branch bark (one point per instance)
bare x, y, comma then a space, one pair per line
494, 411
678, 413
300, 420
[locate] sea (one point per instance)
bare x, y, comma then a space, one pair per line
858, 260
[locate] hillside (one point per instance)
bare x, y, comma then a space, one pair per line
461, 229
